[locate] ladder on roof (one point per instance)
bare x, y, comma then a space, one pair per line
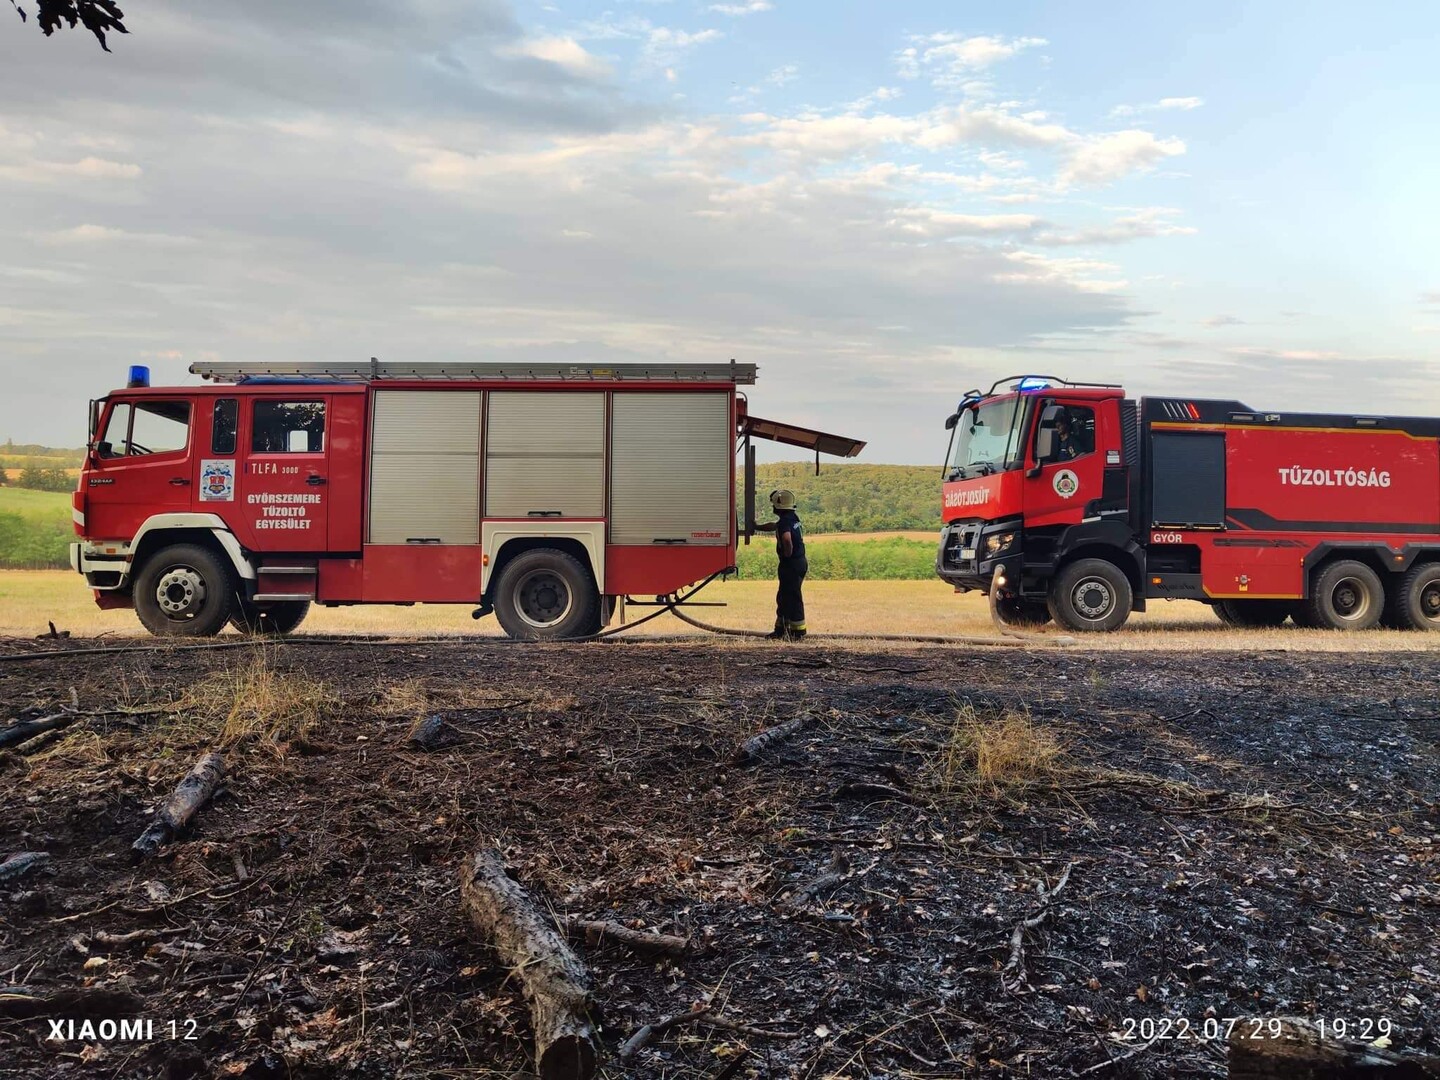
376, 371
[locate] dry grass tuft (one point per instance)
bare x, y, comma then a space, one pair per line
997, 755
407, 698
254, 703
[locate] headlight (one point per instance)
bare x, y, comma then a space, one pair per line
998, 542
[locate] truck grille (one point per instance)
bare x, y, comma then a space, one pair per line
959, 539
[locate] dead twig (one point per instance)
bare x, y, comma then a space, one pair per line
1013, 976
596, 931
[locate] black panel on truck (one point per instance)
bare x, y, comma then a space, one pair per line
1187, 479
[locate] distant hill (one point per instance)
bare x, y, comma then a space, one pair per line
855, 498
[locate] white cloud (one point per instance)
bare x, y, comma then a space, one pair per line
751, 7
936, 224
1215, 321
1035, 269
1143, 224
89, 168
1431, 298
104, 234
952, 60
665, 46
1103, 159
1182, 103
565, 52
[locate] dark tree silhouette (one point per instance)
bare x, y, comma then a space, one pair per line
98, 16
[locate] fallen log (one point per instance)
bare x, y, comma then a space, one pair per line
17, 866
756, 745
596, 931
1298, 1049
555, 980
192, 793
26, 730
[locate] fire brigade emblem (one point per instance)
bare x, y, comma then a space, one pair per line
1066, 483
217, 481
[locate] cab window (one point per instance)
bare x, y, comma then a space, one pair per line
224, 426
288, 427
1074, 433
146, 427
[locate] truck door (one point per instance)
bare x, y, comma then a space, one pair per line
141, 466
282, 490
1060, 484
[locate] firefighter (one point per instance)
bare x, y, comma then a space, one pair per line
790, 549
1067, 445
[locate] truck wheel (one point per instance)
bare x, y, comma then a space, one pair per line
1418, 598
544, 595
184, 591
1013, 611
267, 620
1346, 595
1091, 594
1253, 613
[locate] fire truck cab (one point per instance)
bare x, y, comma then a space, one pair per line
544, 493
1073, 502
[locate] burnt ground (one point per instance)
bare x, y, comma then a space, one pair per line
1247, 835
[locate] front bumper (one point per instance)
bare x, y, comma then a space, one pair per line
963, 560
105, 566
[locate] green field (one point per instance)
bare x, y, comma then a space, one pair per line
35, 505
35, 529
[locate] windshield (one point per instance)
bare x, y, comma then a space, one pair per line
986, 439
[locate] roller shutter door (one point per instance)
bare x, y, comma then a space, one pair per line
545, 455
670, 469
425, 467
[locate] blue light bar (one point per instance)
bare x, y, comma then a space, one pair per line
139, 376
1032, 383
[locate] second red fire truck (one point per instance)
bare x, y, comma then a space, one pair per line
543, 493
1074, 502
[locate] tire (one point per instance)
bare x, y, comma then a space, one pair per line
547, 595
1091, 595
185, 591
1013, 611
1417, 598
1253, 613
269, 620
1346, 595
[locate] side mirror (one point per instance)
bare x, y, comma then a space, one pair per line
951, 421
1045, 438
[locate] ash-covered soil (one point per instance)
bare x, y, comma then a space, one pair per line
1238, 835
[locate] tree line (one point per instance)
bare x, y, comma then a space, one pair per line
38, 478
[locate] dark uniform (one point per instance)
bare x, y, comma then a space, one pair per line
789, 601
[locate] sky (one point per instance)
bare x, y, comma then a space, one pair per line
880, 204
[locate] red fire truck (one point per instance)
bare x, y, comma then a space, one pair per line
545, 494
1073, 502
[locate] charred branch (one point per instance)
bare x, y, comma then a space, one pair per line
555, 980
192, 793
